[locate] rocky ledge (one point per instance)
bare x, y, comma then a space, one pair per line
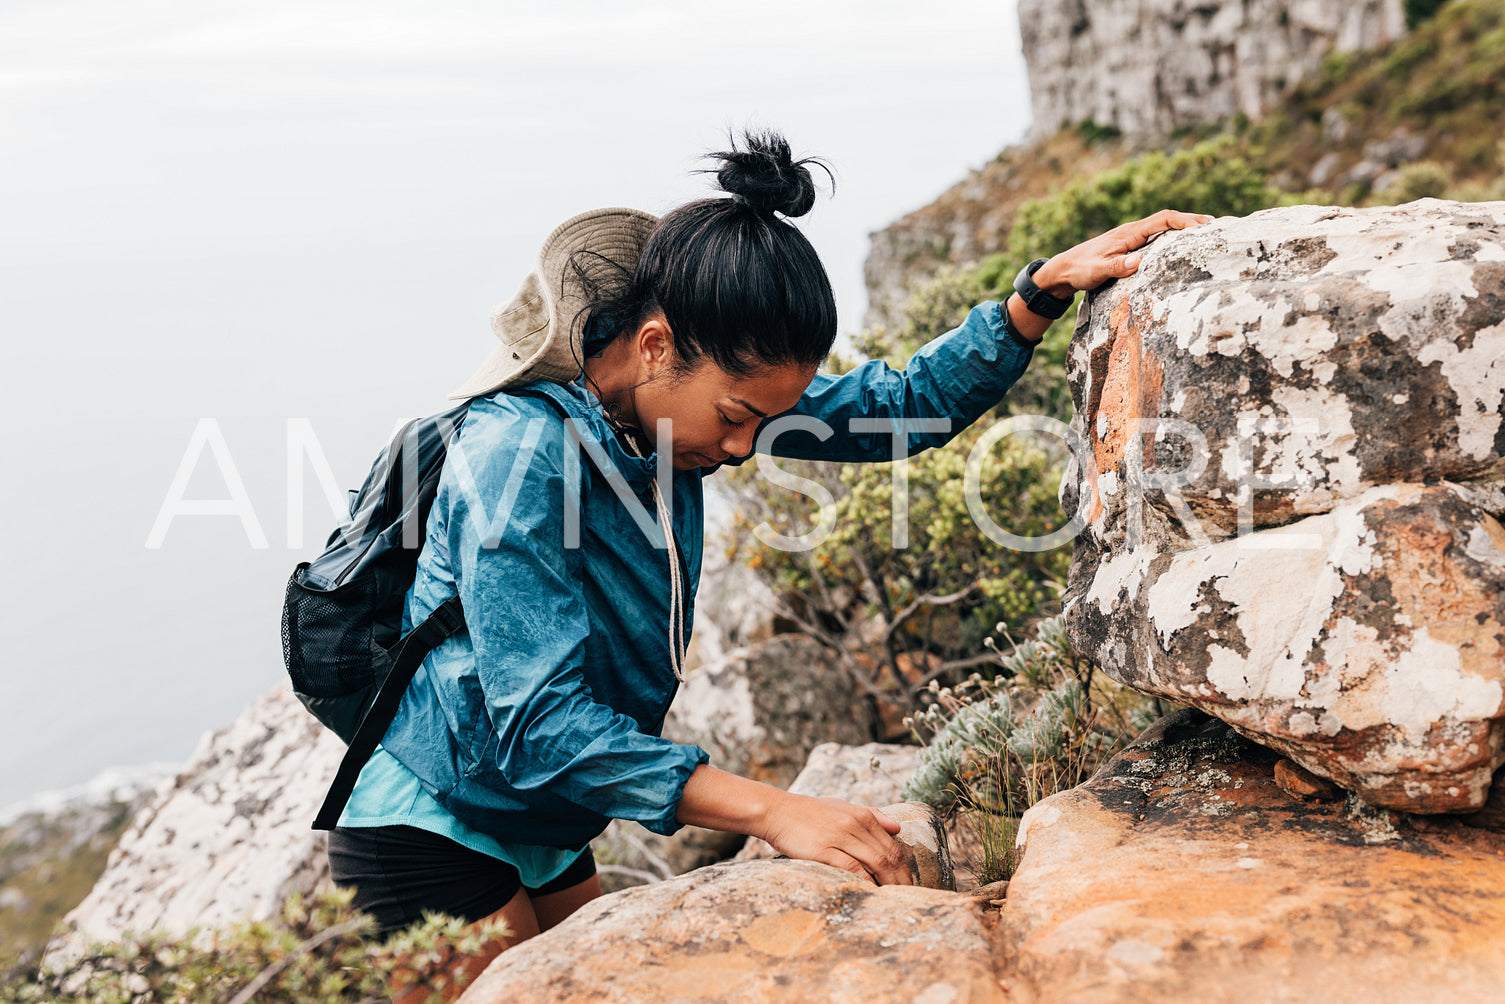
1183, 871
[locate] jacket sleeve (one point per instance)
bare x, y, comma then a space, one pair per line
946, 386
520, 587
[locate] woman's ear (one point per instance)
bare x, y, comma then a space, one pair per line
655, 345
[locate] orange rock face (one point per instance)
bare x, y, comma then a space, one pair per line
1303, 784
756, 931
1182, 872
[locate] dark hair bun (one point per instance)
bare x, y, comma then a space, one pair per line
765, 177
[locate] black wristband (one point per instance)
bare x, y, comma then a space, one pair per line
1036, 299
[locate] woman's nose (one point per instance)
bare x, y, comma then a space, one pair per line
740, 442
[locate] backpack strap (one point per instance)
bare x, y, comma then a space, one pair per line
446, 619
407, 656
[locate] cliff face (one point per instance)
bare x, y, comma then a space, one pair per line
1149, 67
1143, 67
227, 840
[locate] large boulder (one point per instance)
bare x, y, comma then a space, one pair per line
1183, 872
1291, 458
757, 931
229, 840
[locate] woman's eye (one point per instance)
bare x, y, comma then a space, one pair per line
728, 421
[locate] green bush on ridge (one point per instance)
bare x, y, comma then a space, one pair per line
315, 952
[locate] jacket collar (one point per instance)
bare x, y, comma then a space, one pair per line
590, 420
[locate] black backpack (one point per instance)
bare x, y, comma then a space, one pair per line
342, 636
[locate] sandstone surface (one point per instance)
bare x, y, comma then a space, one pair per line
757, 931
1292, 438
922, 835
1183, 872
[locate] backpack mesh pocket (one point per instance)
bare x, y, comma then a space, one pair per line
327, 636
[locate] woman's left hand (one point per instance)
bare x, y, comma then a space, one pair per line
1112, 255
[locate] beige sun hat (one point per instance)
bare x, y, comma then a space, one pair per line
542, 327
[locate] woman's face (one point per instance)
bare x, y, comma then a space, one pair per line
714, 413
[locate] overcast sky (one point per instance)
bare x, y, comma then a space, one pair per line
257, 212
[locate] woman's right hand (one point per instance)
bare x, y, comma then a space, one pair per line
851, 837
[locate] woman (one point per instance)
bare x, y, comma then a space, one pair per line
636, 340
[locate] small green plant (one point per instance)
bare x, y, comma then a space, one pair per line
1092, 133
1419, 12
1211, 177
1423, 180
997, 746
315, 952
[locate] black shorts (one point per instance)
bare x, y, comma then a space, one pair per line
400, 871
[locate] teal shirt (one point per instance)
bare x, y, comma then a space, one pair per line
388, 794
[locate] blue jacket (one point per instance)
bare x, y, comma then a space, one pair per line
541, 720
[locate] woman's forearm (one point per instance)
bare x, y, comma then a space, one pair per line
720, 800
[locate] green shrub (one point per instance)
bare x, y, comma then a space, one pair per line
1420, 11
1422, 180
1211, 177
995, 747
936, 599
313, 953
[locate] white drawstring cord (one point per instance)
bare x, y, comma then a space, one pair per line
676, 589
676, 581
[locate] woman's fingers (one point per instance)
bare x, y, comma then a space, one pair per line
1142, 231
885, 859
841, 834
865, 835
848, 863
1123, 265
1111, 255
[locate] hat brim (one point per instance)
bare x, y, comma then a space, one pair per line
613, 235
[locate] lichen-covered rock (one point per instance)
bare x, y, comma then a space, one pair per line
1182, 872
1371, 651
757, 931
1315, 351
1294, 434
1147, 68
229, 840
